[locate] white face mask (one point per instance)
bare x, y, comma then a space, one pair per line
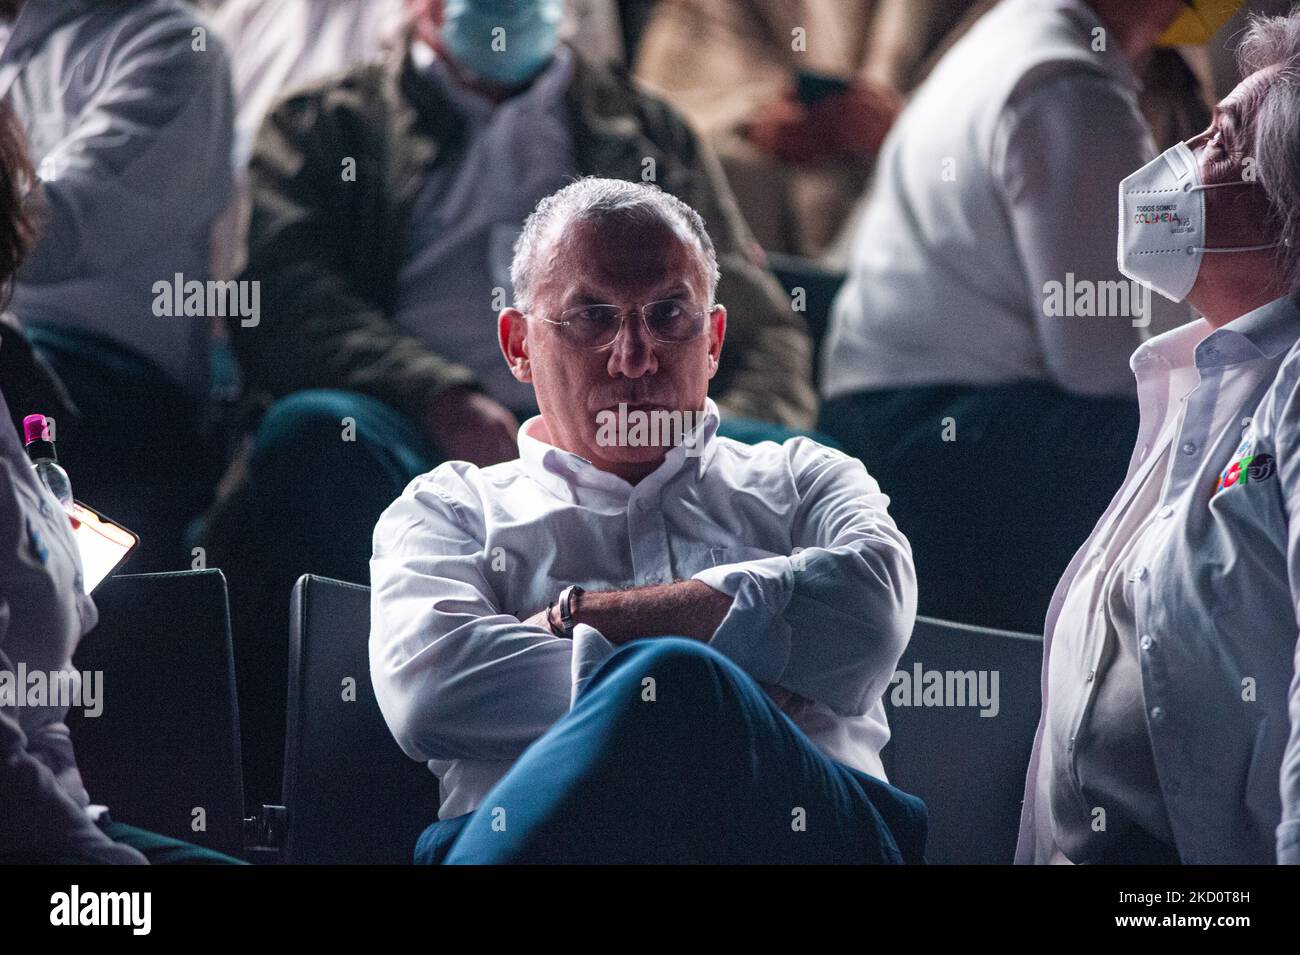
1162, 223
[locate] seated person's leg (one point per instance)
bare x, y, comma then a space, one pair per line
436, 841
672, 754
164, 850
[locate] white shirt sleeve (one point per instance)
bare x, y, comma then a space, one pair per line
830, 621
456, 676
590, 650
1060, 152
150, 154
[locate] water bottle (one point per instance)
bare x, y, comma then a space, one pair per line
37, 433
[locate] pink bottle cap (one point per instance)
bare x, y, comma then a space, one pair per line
35, 429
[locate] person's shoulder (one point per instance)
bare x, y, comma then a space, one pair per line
1280, 408
449, 494
166, 34
449, 501
1054, 50
611, 89
794, 455
462, 486
174, 13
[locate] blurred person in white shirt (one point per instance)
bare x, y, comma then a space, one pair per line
128, 114
977, 357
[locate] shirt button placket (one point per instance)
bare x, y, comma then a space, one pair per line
650, 543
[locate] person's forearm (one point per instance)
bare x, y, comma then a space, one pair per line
688, 608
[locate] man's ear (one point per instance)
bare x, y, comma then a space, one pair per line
717, 332
512, 333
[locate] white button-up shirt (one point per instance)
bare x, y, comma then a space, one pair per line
822, 585
1213, 576
129, 127
999, 178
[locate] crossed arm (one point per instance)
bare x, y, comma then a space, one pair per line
687, 608
457, 677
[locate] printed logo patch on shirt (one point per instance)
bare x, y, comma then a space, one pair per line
1246, 468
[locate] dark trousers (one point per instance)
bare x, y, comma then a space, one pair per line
995, 514
708, 771
164, 850
158, 849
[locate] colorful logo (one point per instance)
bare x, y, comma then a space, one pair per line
1251, 467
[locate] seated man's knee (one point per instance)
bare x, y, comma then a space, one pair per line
676, 671
307, 428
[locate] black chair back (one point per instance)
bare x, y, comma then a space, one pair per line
350, 793
164, 753
969, 768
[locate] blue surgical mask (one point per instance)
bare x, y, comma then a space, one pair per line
504, 41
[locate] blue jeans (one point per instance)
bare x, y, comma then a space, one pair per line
708, 771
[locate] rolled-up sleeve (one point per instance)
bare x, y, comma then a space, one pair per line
454, 675
830, 620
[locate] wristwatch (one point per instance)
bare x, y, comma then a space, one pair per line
567, 599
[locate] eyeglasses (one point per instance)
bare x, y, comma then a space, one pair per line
669, 322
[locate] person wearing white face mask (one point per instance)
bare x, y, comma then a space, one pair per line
1170, 728
983, 330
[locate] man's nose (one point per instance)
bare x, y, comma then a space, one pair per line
633, 354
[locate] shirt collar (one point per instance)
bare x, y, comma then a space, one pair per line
1267, 332
565, 473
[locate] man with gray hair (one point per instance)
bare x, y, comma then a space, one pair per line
635, 644
385, 203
